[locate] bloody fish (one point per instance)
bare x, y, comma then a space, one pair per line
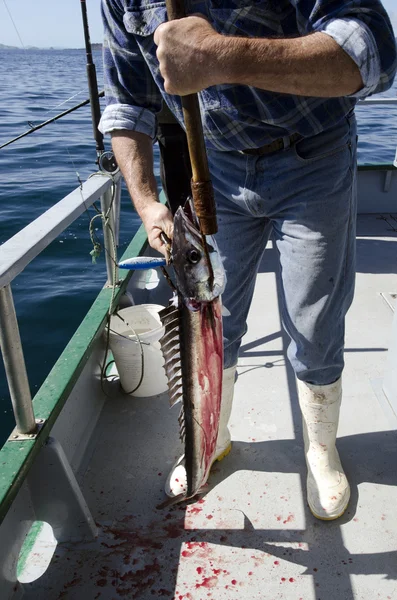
192, 345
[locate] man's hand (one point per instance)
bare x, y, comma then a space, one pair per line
134, 154
157, 219
193, 56
187, 53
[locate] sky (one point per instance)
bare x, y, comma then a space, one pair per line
46, 23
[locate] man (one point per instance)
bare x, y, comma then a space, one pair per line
278, 81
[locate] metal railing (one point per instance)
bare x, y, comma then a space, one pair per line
19, 251
378, 101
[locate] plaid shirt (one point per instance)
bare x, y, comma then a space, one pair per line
237, 117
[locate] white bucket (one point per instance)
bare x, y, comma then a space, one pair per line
141, 324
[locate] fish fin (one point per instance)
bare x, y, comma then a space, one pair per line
170, 347
182, 425
175, 399
171, 501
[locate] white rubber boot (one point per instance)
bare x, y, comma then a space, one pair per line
176, 481
328, 491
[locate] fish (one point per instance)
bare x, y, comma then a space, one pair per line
192, 345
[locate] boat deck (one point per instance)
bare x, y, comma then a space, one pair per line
251, 536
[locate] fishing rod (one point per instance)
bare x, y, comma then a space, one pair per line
59, 116
202, 190
105, 160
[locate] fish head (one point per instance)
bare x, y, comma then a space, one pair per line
200, 277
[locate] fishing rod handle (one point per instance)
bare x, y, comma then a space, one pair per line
202, 190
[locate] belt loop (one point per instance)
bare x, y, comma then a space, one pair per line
286, 141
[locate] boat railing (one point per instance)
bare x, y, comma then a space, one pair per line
19, 251
384, 102
378, 101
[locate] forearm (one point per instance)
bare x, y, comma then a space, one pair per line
313, 65
134, 155
193, 56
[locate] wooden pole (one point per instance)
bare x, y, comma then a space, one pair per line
202, 190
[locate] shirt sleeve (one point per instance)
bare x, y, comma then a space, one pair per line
132, 97
363, 29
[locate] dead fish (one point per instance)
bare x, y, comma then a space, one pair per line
192, 346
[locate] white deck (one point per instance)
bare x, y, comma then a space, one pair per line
252, 536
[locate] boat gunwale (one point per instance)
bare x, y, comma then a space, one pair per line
18, 456
377, 167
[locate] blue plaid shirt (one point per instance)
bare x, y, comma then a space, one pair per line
237, 117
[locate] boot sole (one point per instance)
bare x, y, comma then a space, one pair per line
327, 518
223, 454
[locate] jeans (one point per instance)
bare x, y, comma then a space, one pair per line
306, 196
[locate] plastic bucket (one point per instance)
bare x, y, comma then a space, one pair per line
133, 338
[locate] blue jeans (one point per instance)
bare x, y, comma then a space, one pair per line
306, 196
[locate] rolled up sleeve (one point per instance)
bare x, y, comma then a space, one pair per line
357, 41
132, 97
363, 30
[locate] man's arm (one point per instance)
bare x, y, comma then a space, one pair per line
132, 101
134, 155
344, 47
194, 56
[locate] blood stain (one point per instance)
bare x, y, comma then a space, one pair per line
210, 517
199, 570
195, 510
283, 579
276, 562
208, 582
289, 519
291, 580
234, 581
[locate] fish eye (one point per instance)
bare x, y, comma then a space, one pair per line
194, 256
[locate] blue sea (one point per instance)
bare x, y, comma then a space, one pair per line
55, 291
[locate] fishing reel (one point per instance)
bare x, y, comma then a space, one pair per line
107, 163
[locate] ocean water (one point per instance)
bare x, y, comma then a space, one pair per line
55, 291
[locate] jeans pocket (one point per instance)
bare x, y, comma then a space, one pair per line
325, 144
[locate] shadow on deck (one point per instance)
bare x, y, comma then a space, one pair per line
252, 536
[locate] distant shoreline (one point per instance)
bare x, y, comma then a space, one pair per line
5, 47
